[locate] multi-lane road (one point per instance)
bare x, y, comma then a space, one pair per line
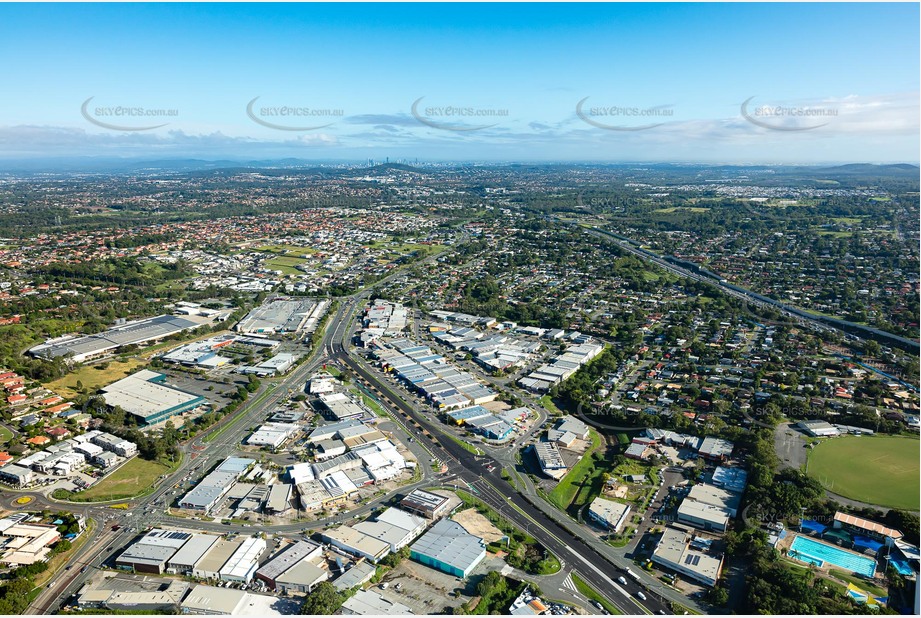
795, 313
198, 457
481, 475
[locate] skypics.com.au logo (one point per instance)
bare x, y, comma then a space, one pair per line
786, 117
274, 117
447, 117
114, 117
593, 114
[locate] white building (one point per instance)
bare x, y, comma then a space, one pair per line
609, 514
243, 563
272, 434
674, 552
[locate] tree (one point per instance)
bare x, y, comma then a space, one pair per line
324, 600
718, 596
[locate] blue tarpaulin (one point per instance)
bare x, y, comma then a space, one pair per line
813, 526
902, 566
865, 541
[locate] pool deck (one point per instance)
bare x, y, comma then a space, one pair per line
783, 546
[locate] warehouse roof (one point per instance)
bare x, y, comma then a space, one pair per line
360, 572
368, 602
288, 557
358, 541
449, 543
141, 553
243, 560
304, 573
213, 600
218, 556
139, 395
193, 550
129, 333
422, 500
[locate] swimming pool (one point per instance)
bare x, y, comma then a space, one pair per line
814, 552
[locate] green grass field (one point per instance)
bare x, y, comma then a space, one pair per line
5, 435
582, 481
93, 377
285, 264
549, 406
134, 478
289, 250
674, 209
881, 470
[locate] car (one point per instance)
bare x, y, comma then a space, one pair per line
83, 570
598, 605
622, 581
640, 595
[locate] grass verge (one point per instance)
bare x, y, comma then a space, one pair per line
244, 409
549, 406
570, 485
467, 447
589, 592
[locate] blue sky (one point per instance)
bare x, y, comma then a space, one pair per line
658, 82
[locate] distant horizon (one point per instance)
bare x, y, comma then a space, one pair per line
55, 164
615, 82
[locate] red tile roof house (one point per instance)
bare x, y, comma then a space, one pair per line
58, 432
5, 458
39, 440
16, 399
59, 408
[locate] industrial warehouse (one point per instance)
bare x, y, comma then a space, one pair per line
449, 548
260, 563
444, 385
283, 315
206, 494
89, 347
146, 396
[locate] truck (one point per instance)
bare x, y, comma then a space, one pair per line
632, 575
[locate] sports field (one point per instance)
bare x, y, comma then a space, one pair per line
880, 470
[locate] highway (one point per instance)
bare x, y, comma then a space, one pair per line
490, 487
844, 326
464, 468
198, 458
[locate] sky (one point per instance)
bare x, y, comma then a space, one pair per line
728, 83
